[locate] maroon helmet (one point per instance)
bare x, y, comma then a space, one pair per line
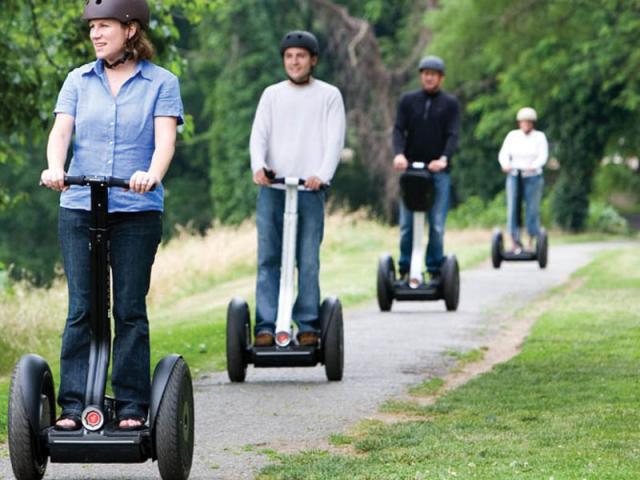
122, 10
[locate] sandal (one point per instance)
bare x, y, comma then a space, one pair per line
77, 423
131, 428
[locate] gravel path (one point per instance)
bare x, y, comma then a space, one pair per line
290, 409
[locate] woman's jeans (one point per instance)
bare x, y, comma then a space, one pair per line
532, 195
270, 216
134, 239
437, 216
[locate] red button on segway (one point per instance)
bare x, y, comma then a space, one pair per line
93, 419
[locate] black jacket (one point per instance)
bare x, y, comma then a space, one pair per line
425, 136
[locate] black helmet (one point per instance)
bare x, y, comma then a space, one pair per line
300, 39
122, 10
431, 62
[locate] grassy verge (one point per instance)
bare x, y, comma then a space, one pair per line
567, 407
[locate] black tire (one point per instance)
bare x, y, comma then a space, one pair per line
385, 281
174, 425
28, 455
542, 248
332, 328
451, 283
497, 248
238, 338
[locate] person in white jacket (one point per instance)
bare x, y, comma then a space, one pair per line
298, 131
523, 154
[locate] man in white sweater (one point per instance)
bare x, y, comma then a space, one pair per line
298, 131
523, 154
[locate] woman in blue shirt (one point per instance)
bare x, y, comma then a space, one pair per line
124, 112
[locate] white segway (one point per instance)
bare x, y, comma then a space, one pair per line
286, 352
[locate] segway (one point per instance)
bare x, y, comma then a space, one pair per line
539, 254
417, 189
286, 352
168, 434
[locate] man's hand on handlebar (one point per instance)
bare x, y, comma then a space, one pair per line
400, 162
143, 182
436, 166
313, 183
261, 178
53, 178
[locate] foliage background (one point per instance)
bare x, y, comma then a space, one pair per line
574, 61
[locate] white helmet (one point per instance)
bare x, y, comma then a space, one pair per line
527, 114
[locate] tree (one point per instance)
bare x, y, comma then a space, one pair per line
571, 60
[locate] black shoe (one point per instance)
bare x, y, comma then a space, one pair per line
435, 278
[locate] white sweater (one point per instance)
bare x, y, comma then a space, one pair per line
522, 151
298, 131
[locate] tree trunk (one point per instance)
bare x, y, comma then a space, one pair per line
370, 89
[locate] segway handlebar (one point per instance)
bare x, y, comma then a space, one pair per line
86, 180
287, 180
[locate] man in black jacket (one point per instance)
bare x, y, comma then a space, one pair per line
426, 130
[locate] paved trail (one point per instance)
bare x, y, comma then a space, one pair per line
288, 409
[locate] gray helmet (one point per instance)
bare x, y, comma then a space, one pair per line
300, 39
122, 10
431, 62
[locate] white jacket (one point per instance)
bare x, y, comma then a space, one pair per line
524, 151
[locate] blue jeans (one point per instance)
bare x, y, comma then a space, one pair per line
437, 217
134, 239
532, 195
270, 216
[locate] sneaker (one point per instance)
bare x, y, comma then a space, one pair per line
308, 339
263, 339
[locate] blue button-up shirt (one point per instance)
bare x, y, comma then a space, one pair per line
114, 136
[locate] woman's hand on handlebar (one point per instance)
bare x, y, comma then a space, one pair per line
400, 163
142, 182
261, 178
53, 178
313, 183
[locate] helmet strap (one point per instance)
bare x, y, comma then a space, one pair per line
127, 55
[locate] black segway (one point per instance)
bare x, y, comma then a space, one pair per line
286, 352
167, 436
416, 186
539, 254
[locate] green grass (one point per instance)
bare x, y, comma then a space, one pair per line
567, 407
427, 388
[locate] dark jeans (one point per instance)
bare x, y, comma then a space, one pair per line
270, 213
437, 217
134, 239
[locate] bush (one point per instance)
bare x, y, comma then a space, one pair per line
605, 218
477, 213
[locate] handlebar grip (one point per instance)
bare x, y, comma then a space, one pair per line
75, 180
119, 182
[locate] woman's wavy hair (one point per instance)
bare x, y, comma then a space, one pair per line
139, 45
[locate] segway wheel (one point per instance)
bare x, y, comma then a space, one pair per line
332, 328
386, 279
542, 248
31, 410
451, 283
238, 338
497, 248
174, 432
